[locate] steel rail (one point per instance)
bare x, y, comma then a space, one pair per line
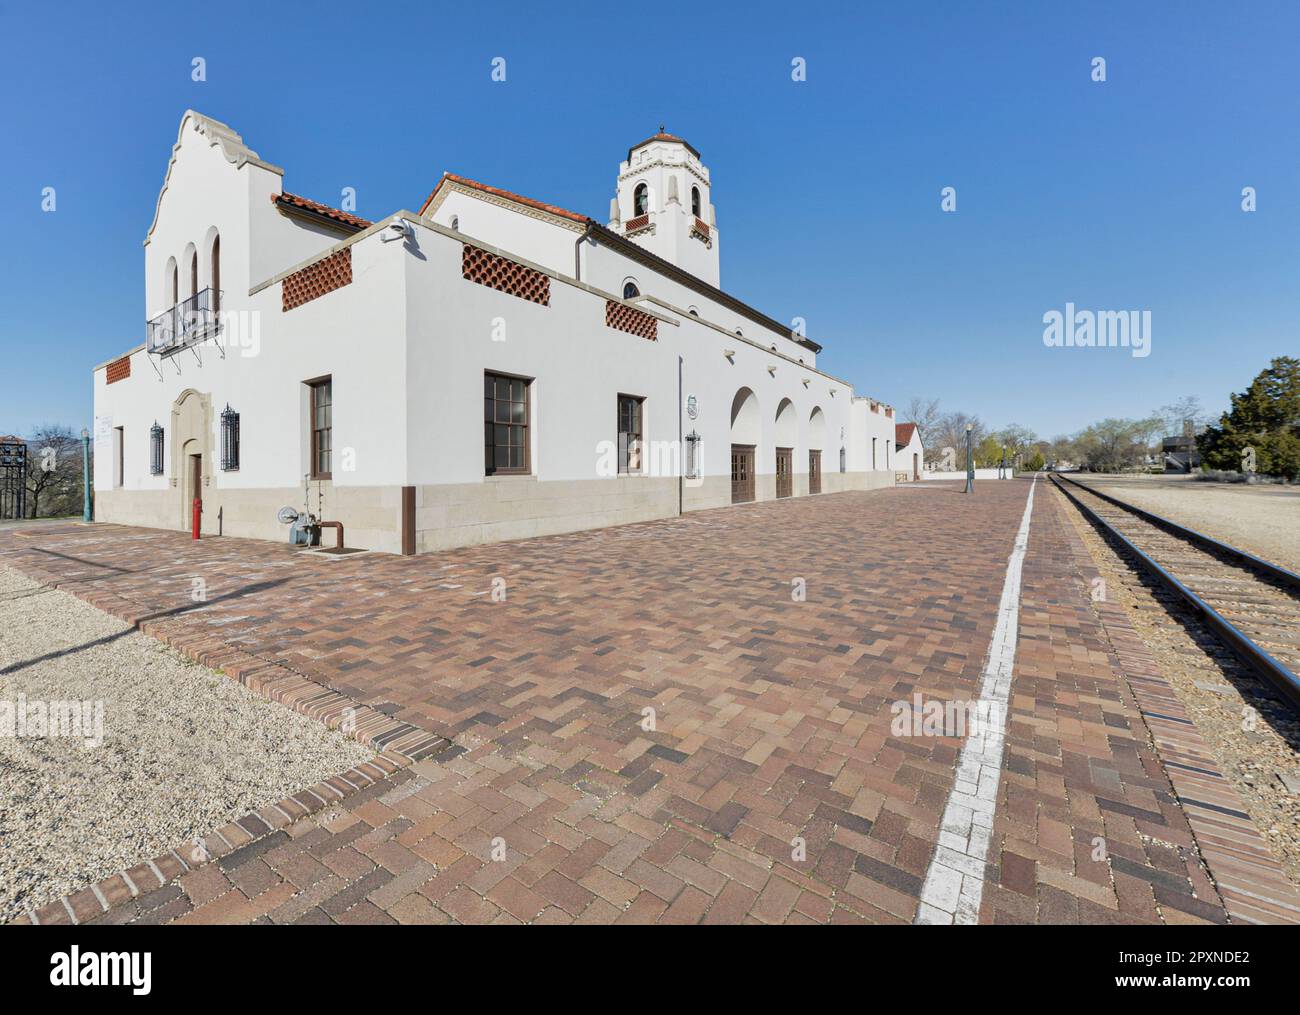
1288, 578
1255, 656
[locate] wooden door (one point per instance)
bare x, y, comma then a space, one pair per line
196, 483
742, 473
814, 472
784, 472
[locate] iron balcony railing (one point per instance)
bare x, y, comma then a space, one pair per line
192, 321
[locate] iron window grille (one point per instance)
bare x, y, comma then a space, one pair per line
229, 439
692, 455
155, 449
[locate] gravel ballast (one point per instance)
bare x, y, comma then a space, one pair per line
184, 749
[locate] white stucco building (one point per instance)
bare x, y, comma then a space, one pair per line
490, 367
909, 452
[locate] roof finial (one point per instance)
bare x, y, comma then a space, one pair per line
661, 128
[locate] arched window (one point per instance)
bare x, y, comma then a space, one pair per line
455, 223
695, 201
194, 273
216, 274
630, 291
175, 281
641, 199
692, 311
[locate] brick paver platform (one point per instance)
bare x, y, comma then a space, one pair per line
769, 641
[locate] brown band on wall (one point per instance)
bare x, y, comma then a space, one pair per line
408, 521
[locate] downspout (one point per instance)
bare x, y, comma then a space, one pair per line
577, 250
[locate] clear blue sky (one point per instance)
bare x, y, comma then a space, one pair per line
1121, 195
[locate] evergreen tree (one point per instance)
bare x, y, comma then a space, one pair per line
1264, 418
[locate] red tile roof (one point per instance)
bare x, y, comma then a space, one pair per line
321, 209
903, 432
508, 195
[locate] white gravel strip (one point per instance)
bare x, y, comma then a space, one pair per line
184, 749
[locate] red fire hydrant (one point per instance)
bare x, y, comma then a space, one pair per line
198, 511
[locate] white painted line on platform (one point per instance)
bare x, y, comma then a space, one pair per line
954, 884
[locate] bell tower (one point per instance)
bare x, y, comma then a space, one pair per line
664, 203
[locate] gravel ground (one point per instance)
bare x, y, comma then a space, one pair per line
1264, 519
184, 749
1215, 687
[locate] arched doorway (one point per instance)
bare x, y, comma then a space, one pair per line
746, 428
191, 433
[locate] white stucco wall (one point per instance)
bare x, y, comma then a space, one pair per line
407, 343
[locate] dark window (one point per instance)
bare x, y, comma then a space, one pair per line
119, 456
176, 285
505, 425
194, 273
629, 433
695, 201
322, 428
155, 449
229, 439
641, 199
630, 291
843, 463
216, 274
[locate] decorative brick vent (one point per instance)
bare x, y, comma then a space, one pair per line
509, 276
119, 370
702, 228
640, 222
317, 279
631, 320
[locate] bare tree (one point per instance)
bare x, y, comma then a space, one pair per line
1171, 417
54, 471
950, 432
1016, 439
925, 414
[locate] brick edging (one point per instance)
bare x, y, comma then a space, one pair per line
397, 745
149, 875
1251, 883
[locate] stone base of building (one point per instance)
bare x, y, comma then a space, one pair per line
448, 516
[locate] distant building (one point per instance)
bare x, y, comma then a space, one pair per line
909, 457
1179, 454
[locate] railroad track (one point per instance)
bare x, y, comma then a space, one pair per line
1250, 603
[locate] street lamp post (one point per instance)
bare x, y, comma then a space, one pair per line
970, 460
85, 474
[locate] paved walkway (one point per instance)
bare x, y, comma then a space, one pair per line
677, 721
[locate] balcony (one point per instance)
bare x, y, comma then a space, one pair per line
185, 324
